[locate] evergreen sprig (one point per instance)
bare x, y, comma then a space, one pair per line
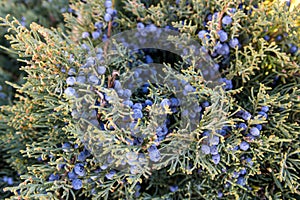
65, 136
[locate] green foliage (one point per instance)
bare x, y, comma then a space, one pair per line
35, 126
46, 13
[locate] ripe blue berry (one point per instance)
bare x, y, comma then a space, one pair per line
127, 93
5, 178
215, 15
161, 131
148, 102
10, 181
66, 147
165, 103
101, 70
222, 132
243, 171
80, 79
235, 174
93, 79
117, 84
108, 4
137, 114
138, 187
293, 49
242, 126
128, 103
137, 194
81, 157
222, 49
111, 174
214, 140
149, 59
90, 61
107, 97
71, 72
249, 161
244, 146
154, 153
69, 92
132, 157
104, 37
223, 35
263, 114
205, 104
196, 108
216, 158
95, 35
85, 47
265, 109
173, 188
267, 38
254, 131
235, 148
228, 83
53, 177
151, 28
226, 20
85, 35
120, 92
259, 126
107, 17
241, 181
79, 169
152, 148
232, 10
234, 42
227, 185
71, 80
134, 169
214, 150
278, 38
77, 184
98, 25
110, 11
72, 175
244, 114
140, 26
202, 34
209, 17
205, 149
154, 156
137, 106
187, 89
138, 141
206, 134
103, 167
220, 194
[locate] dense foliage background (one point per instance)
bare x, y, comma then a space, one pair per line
54, 50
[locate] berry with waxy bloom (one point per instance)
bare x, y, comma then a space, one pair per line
205, 149
226, 20
254, 131
77, 184
79, 169
244, 146
223, 35
216, 158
